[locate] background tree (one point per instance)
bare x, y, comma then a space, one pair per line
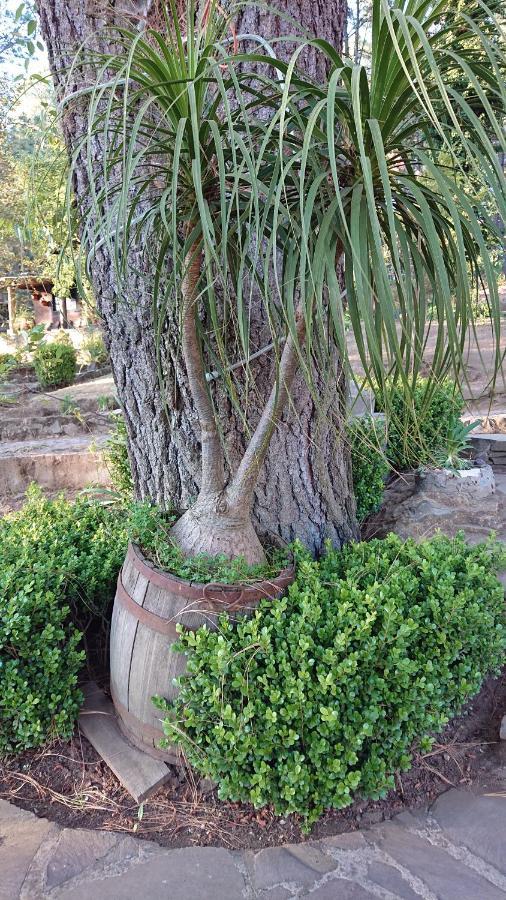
357, 35
304, 489
33, 178
18, 35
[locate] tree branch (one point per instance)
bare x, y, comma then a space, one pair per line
243, 483
213, 474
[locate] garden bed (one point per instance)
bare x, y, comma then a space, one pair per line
67, 782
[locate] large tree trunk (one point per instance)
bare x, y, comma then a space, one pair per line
304, 489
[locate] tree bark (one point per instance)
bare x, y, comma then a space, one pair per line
304, 489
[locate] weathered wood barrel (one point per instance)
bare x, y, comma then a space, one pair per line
149, 604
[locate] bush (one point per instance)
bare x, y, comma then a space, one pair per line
55, 364
116, 459
58, 566
323, 693
94, 350
369, 464
7, 362
419, 429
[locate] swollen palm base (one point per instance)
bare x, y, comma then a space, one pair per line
214, 526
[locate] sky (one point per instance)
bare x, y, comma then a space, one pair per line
14, 68
11, 66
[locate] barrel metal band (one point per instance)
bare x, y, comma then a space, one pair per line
145, 616
226, 597
138, 727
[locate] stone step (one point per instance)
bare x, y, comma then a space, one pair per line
26, 428
58, 463
490, 446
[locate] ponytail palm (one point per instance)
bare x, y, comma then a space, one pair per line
250, 186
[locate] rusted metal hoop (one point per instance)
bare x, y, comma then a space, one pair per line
153, 621
232, 596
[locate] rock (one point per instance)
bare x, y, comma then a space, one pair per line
439, 499
193, 873
300, 863
491, 445
360, 402
502, 731
437, 873
467, 484
21, 835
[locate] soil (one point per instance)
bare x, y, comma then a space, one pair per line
68, 783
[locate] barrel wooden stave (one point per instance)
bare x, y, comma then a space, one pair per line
143, 663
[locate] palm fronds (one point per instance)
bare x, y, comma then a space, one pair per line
278, 183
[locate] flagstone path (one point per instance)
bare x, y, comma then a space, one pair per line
456, 850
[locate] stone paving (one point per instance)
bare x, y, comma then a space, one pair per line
456, 850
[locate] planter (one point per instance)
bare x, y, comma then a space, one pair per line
149, 604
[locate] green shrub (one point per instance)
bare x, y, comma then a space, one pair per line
369, 464
323, 694
55, 364
419, 428
94, 349
7, 362
116, 459
58, 566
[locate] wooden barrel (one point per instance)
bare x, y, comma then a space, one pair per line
149, 604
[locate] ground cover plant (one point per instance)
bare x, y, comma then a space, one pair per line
115, 455
94, 350
321, 696
58, 566
151, 528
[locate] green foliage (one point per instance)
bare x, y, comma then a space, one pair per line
458, 443
322, 695
33, 338
18, 34
150, 528
55, 364
7, 364
252, 183
369, 464
105, 403
420, 423
115, 455
24, 320
94, 350
69, 407
58, 566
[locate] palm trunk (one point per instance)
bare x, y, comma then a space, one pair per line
214, 524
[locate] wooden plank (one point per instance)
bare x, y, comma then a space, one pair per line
123, 631
140, 774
